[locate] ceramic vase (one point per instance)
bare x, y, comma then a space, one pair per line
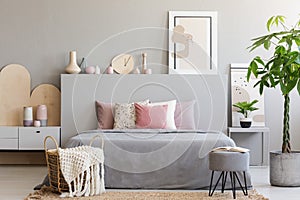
110, 70
97, 70
41, 115
90, 70
72, 67
27, 116
37, 123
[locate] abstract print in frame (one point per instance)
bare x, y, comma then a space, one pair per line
193, 42
242, 90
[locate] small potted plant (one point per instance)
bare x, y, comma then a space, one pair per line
246, 108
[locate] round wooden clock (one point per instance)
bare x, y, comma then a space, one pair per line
123, 63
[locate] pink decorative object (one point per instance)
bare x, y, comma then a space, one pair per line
110, 70
41, 114
37, 123
151, 116
90, 70
148, 71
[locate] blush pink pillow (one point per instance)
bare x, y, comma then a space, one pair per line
154, 117
104, 112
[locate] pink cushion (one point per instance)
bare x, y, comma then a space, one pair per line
151, 116
184, 115
104, 112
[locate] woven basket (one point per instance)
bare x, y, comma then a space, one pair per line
56, 179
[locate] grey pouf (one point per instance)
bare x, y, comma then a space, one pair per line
232, 162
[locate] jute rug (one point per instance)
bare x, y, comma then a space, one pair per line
46, 194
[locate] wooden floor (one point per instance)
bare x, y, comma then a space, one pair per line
17, 181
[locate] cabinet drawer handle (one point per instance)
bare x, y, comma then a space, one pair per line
38, 131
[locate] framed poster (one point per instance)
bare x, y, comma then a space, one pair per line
242, 90
193, 42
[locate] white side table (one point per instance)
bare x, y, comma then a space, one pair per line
262, 144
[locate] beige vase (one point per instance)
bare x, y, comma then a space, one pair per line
72, 67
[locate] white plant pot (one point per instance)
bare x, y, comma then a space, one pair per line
245, 122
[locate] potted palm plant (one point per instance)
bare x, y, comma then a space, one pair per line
245, 108
281, 69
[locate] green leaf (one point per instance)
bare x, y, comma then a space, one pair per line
269, 23
297, 40
248, 73
259, 60
261, 88
256, 84
281, 18
291, 84
283, 88
258, 42
276, 21
254, 68
267, 44
272, 81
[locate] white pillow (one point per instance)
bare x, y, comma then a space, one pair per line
170, 113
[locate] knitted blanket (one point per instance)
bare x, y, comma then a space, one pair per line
80, 167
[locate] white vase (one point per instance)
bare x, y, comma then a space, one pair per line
72, 67
97, 70
27, 116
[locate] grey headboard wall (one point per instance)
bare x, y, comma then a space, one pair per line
79, 93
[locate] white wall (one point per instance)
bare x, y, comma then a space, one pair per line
40, 33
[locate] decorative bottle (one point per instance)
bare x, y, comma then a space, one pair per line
27, 116
72, 67
41, 114
144, 63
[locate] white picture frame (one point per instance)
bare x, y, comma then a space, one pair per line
193, 42
242, 90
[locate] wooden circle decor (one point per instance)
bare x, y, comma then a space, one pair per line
123, 63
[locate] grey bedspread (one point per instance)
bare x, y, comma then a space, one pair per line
155, 159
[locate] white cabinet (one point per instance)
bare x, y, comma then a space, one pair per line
27, 138
9, 138
32, 138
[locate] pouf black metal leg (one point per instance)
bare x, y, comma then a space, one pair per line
223, 182
211, 181
232, 179
210, 193
245, 180
244, 191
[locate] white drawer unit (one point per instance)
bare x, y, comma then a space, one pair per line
9, 138
32, 138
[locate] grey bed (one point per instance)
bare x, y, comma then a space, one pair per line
155, 159
150, 159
